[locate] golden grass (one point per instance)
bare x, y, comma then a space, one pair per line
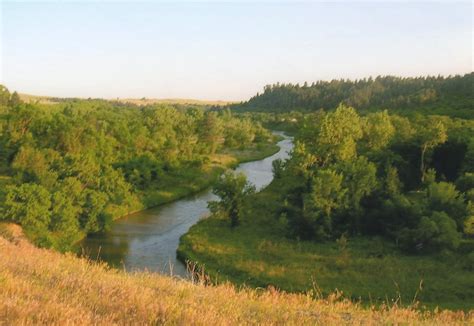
137, 101
183, 101
28, 98
39, 286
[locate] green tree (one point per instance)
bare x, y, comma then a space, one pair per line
29, 205
360, 179
14, 100
443, 196
465, 182
378, 130
469, 225
404, 131
64, 220
232, 189
4, 96
338, 135
468, 164
431, 133
211, 131
93, 217
327, 193
393, 185
278, 168
438, 231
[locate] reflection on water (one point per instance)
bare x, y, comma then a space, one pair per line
149, 239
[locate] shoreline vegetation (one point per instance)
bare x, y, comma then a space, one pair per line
367, 204
257, 254
193, 182
41, 286
200, 180
70, 169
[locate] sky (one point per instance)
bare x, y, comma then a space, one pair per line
223, 51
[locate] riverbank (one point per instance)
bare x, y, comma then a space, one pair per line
192, 180
186, 182
149, 239
39, 286
258, 254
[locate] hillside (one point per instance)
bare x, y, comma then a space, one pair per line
39, 286
383, 92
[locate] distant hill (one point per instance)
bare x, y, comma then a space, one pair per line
28, 98
143, 101
146, 101
455, 92
43, 287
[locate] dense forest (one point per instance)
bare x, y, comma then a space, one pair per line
69, 169
383, 92
378, 203
408, 179
411, 180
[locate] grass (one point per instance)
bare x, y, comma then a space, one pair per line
39, 286
183, 101
136, 101
181, 184
254, 153
372, 270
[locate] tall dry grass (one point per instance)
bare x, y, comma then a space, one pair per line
39, 286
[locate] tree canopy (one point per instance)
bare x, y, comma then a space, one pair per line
76, 165
397, 93
377, 174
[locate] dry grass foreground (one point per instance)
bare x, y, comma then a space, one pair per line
39, 286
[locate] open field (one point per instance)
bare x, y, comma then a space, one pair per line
183, 101
136, 101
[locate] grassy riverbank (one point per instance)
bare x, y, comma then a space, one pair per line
188, 181
39, 286
258, 254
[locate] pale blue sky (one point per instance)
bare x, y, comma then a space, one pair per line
223, 50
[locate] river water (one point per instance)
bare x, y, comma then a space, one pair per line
148, 240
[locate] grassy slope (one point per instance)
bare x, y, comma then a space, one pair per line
257, 254
39, 286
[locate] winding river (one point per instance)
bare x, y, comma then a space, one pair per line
148, 240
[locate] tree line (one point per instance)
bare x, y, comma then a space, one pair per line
455, 93
408, 179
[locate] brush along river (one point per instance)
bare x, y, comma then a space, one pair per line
148, 240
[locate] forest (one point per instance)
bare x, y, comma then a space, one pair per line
428, 94
69, 169
381, 174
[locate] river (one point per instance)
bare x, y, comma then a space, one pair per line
148, 240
